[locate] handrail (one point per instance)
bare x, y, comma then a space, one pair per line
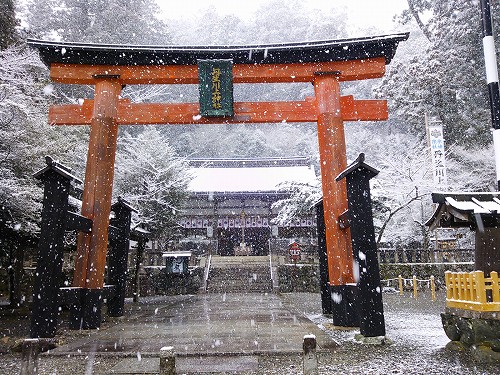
271, 268
206, 273
472, 291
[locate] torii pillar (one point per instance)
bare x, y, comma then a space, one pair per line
333, 160
96, 203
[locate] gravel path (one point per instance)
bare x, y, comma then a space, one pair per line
418, 341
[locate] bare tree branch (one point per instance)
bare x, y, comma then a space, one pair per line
394, 212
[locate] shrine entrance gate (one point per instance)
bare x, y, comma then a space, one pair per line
109, 67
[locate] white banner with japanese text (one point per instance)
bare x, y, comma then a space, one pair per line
436, 140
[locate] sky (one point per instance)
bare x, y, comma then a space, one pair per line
362, 13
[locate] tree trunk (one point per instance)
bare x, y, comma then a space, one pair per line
16, 258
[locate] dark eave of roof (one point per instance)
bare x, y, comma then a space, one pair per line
465, 209
298, 161
303, 52
57, 167
268, 196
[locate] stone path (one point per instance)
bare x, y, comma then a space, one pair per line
203, 325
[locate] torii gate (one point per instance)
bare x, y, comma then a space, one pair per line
109, 67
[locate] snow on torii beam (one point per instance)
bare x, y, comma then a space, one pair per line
109, 67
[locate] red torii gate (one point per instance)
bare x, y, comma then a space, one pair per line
110, 67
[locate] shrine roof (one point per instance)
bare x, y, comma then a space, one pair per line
465, 209
281, 53
248, 176
137, 232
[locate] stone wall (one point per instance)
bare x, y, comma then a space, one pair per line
473, 331
305, 277
172, 284
157, 282
400, 255
298, 278
422, 270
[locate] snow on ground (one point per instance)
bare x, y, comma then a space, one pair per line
415, 330
413, 326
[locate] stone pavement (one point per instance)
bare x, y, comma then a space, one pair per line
208, 325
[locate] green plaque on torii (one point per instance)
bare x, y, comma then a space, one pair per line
216, 88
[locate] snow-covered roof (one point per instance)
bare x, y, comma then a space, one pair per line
252, 178
465, 209
283, 53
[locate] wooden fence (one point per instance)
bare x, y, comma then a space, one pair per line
472, 291
413, 284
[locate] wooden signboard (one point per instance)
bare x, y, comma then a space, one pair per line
216, 88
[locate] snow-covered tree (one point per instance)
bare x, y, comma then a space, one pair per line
7, 24
400, 191
26, 137
97, 21
288, 21
152, 178
21, 137
302, 198
255, 140
444, 76
471, 168
276, 21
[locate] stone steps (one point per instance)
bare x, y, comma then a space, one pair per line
229, 261
240, 278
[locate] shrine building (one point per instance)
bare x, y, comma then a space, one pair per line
230, 204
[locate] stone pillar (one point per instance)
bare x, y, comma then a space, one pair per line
118, 256
141, 246
29, 359
167, 361
310, 360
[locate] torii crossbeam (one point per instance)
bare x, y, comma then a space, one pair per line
109, 67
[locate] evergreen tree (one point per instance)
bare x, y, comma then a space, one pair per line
276, 21
152, 178
288, 21
98, 21
7, 24
25, 137
444, 77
